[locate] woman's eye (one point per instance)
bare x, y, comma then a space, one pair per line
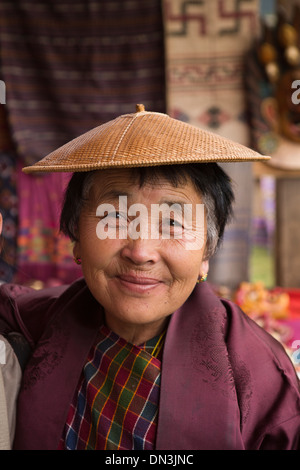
115, 219
115, 215
175, 223
170, 225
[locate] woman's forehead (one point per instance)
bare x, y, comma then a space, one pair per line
150, 175
129, 182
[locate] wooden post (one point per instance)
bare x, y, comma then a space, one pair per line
287, 244
287, 231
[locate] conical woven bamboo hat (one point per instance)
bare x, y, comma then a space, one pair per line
143, 139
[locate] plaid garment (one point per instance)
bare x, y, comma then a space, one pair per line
116, 403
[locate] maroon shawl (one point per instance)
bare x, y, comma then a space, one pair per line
226, 383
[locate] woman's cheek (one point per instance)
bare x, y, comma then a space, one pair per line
183, 264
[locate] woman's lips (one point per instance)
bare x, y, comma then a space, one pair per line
138, 283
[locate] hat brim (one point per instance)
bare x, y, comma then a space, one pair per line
143, 139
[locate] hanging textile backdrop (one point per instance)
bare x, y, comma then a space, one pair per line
288, 5
8, 200
69, 66
206, 43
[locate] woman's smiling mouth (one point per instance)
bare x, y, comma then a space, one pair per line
138, 283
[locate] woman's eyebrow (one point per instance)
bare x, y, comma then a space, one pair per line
111, 195
177, 203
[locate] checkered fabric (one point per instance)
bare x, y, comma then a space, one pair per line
116, 403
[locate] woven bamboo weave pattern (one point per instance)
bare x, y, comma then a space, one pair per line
143, 139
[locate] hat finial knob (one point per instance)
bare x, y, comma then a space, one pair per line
140, 108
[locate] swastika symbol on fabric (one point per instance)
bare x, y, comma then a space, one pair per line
229, 19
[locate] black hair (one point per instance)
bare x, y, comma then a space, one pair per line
209, 179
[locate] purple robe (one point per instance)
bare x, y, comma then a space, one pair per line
225, 384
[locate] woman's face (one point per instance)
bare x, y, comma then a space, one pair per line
139, 279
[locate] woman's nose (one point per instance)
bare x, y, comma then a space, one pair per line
141, 251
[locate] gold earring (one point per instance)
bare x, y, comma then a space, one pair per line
77, 260
202, 279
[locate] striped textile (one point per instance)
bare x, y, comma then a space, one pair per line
116, 404
71, 65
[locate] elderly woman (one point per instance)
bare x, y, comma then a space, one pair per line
140, 353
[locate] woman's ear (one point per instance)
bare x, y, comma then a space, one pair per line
76, 250
204, 268
76, 253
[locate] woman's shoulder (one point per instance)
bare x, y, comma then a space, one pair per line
265, 380
253, 346
243, 331
27, 310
